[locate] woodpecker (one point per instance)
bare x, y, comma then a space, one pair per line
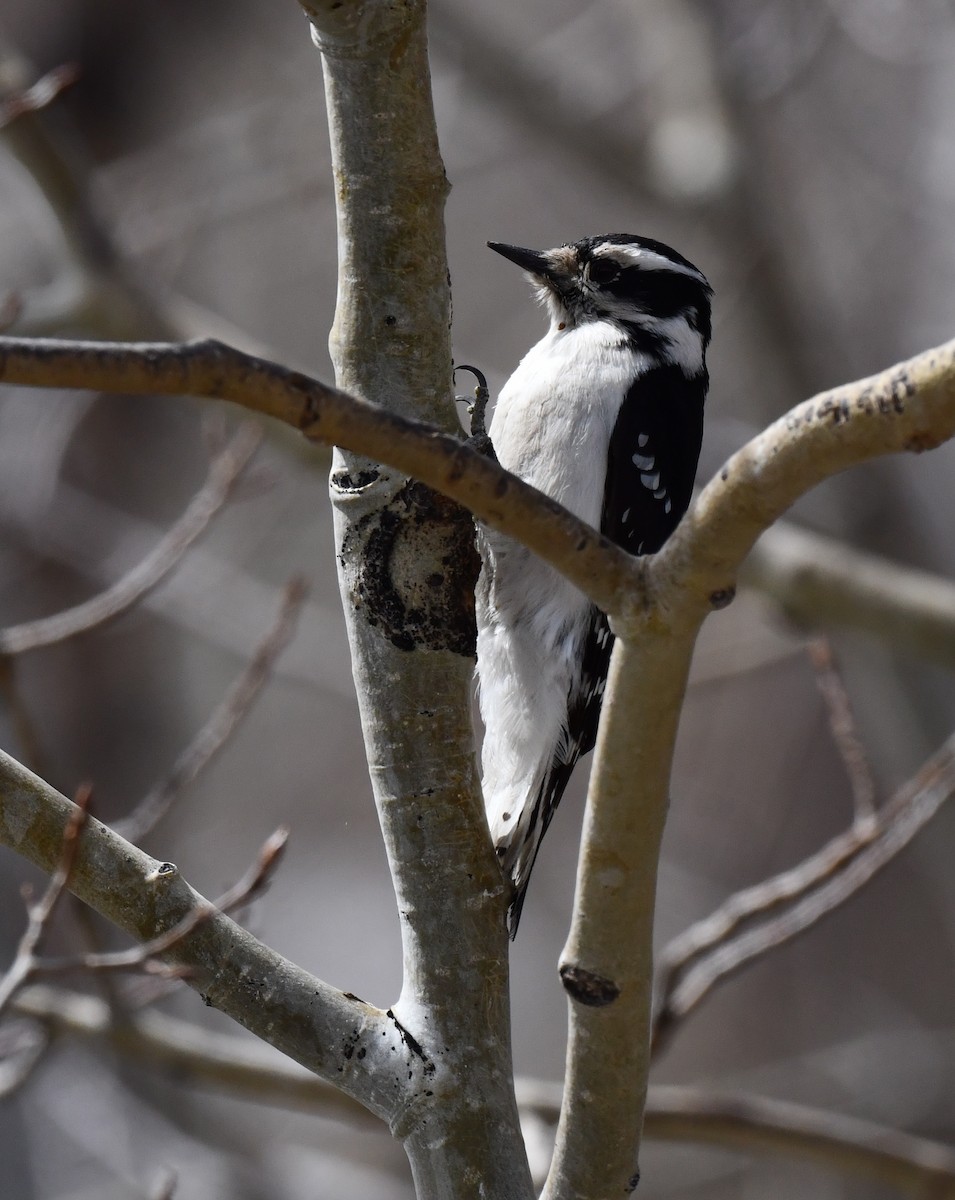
605, 415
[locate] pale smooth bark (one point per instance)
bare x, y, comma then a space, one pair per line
407, 567
312, 1022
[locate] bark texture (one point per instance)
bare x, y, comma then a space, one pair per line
407, 566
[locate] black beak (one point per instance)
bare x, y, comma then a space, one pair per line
529, 260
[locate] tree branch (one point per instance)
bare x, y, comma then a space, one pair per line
221, 724
820, 581
607, 962
910, 406
320, 1027
327, 414
224, 473
407, 566
771, 913
683, 1114
837, 1142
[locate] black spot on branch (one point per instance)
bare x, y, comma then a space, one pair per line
903, 389
722, 597
412, 1043
587, 987
351, 1044
394, 550
344, 481
836, 410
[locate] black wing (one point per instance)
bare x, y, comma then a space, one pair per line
654, 451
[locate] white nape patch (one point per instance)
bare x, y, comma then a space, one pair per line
643, 462
645, 258
683, 345
680, 344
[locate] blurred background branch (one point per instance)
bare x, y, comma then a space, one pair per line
752, 1124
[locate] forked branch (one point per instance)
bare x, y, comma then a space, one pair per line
657, 606
314, 1023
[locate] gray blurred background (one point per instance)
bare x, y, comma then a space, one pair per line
804, 157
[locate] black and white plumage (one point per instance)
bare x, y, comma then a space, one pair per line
604, 414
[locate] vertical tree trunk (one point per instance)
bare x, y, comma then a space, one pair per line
407, 566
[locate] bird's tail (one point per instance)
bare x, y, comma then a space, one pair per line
519, 853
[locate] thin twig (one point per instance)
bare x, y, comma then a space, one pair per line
223, 722
684, 1114
842, 725
93, 288
28, 964
39, 915
147, 954
39, 95
915, 1165
224, 472
758, 919
822, 582
21, 1052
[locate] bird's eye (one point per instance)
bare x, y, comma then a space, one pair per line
603, 270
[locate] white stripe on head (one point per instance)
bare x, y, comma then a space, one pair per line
645, 258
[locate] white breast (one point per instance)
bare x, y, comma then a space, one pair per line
555, 415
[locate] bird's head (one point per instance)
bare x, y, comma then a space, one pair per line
655, 295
